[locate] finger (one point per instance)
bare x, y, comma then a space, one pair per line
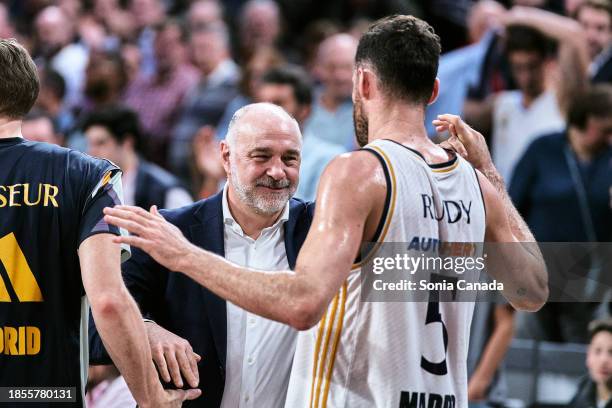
155, 212
127, 213
446, 145
462, 129
190, 394
457, 146
193, 359
197, 356
131, 240
173, 367
132, 226
438, 122
188, 367
133, 212
160, 362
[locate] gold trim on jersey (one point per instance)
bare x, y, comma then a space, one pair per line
323, 360
447, 169
389, 215
338, 333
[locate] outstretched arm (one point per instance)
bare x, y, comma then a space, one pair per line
298, 299
518, 262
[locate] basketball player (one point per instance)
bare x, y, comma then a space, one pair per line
373, 354
54, 248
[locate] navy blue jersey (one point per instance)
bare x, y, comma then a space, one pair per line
51, 200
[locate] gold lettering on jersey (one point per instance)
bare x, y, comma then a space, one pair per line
20, 341
20, 275
18, 195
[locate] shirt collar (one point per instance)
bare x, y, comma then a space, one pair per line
228, 219
15, 135
600, 60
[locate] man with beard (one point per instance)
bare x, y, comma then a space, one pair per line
356, 353
253, 222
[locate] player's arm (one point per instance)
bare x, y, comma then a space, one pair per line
117, 317
119, 322
516, 261
115, 312
347, 192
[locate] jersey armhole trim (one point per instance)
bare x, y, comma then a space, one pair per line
385, 219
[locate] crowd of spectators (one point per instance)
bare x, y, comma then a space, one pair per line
153, 84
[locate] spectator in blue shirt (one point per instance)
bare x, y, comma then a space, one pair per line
563, 187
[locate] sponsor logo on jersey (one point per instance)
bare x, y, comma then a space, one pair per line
23, 340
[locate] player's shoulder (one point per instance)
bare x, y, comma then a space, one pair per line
358, 163
355, 176
41, 152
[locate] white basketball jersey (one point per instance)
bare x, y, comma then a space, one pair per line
370, 354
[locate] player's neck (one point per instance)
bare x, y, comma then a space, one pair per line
10, 128
402, 123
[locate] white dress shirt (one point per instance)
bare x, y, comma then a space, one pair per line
259, 351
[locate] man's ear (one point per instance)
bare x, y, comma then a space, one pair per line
225, 152
129, 142
365, 83
435, 92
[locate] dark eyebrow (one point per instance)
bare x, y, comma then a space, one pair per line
292, 152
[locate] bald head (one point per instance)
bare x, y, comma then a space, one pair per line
344, 44
336, 58
204, 12
259, 119
53, 27
261, 156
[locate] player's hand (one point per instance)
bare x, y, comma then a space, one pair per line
464, 140
173, 355
151, 233
175, 398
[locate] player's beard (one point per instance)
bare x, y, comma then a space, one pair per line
360, 122
263, 203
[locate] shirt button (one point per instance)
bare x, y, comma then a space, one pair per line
252, 321
246, 398
251, 360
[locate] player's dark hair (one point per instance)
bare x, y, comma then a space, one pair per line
404, 52
121, 123
19, 84
602, 325
595, 101
172, 22
529, 39
293, 76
